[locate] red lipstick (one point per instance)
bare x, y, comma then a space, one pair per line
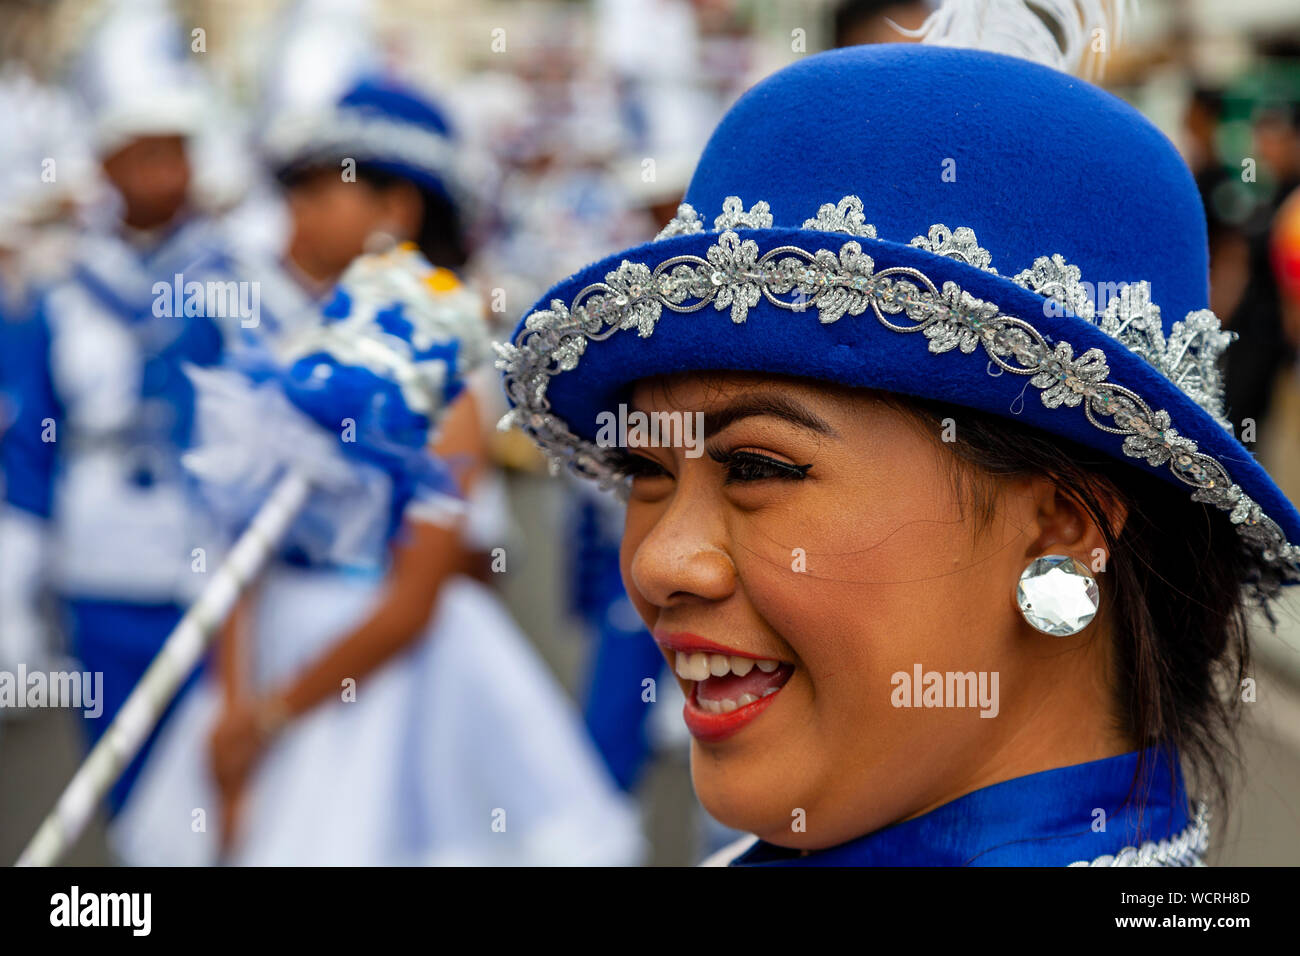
710, 728
708, 724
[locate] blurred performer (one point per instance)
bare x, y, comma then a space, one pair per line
384, 709
1262, 350
48, 172
1218, 186
1280, 450
351, 174
101, 409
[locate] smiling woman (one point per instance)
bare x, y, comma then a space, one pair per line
972, 596
892, 576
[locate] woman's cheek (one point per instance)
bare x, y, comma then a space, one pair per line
858, 606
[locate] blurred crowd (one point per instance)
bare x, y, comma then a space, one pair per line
261, 147
1243, 145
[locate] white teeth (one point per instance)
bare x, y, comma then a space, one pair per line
692, 666
726, 705
700, 666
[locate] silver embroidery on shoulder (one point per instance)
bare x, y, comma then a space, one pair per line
1186, 848
733, 276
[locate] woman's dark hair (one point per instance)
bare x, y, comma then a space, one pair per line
441, 237
1179, 583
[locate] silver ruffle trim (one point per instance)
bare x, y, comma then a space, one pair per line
734, 276
1183, 849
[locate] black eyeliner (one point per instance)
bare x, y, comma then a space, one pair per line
753, 459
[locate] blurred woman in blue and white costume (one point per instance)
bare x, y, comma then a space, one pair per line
95, 491
458, 745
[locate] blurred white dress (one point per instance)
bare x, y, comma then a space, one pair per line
462, 750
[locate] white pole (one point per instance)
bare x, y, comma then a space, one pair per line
180, 652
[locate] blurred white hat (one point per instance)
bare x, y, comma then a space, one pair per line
45, 163
318, 50
134, 75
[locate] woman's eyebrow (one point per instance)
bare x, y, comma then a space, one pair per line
771, 404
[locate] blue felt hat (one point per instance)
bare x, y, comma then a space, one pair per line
944, 223
380, 123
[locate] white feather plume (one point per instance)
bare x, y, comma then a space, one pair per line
1021, 28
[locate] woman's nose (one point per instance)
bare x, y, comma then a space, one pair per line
684, 557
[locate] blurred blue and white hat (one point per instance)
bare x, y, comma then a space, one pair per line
135, 78
377, 122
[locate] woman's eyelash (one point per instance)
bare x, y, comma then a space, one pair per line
741, 466
637, 466
751, 466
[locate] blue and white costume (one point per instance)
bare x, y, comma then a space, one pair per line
42, 122
462, 749
465, 724
99, 510
465, 727
93, 481
1028, 821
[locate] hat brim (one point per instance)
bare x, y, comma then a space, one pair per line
566, 364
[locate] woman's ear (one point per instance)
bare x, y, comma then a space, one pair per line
1062, 525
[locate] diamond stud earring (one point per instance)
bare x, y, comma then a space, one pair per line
1057, 595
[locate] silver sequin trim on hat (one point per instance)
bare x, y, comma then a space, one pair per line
733, 276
